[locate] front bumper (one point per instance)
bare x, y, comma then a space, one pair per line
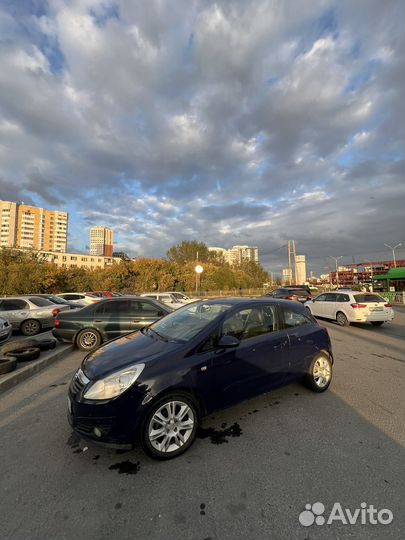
114, 423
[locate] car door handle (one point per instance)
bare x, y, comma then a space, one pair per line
98, 320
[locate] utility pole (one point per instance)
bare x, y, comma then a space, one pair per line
336, 259
393, 252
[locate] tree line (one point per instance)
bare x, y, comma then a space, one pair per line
23, 272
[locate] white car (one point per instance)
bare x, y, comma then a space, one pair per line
166, 298
5, 330
82, 299
183, 298
349, 306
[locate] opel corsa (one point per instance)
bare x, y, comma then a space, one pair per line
153, 386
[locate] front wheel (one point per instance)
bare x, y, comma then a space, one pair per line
341, 319
170, 427
319, 375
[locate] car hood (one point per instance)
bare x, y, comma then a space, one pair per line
125, 351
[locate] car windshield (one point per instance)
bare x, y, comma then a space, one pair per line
184, 324
366, 298
39, 301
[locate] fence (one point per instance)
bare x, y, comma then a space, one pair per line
230, 292
394, 297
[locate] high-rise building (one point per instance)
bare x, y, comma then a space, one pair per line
301, 270
101, 241
31, 227
238, 254
8, 224
286, 277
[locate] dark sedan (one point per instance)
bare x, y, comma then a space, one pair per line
292, 293
96, 323
153, 386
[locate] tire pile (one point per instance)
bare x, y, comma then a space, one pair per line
22, 351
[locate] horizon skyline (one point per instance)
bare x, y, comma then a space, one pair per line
226, 122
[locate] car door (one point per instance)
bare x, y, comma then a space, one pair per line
114, 318
15, 310
300, 331
258, 363
329, 306
318, 305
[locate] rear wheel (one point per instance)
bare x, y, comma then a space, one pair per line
170, 427
377, 323
341, 319
319, 375
31, 327
88, 339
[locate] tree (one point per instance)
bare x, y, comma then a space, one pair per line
187, 252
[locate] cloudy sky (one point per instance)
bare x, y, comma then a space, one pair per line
231, 122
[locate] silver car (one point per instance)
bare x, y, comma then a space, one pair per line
30, 313
5, 330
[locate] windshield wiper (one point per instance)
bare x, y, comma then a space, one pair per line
157, 334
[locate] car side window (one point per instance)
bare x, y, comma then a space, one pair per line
250, 322
11, 305
320, 298
145, 309
343, 298
293, 318
331, 297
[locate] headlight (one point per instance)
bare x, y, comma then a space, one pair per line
115, 384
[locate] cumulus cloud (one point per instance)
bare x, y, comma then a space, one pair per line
228, 122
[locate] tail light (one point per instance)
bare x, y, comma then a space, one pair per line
291, 297
57, 323
55, 312
387, 305
358, 306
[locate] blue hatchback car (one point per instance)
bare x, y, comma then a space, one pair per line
154, 385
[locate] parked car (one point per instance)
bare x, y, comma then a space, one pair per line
166, 298
61, 301
183, 298
351, 306
104, 294
153, 386
300, 294
29, 313
87, 328
79, 298
5, 330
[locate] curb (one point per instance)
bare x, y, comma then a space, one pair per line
9, 380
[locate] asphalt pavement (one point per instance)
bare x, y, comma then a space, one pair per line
249, 475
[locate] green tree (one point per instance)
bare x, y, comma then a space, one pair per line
187, 251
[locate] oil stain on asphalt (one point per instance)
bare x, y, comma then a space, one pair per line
126, 467
220, 436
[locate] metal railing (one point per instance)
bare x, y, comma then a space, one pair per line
394, 297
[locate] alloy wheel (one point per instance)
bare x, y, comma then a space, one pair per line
171, 426
88, 340
322, 372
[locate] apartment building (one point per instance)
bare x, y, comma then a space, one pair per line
101, 241
8, 223
77, 260
237, 254
31, 227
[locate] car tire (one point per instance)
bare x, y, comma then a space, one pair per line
7, 364
46, 344
18, 345
341, 319
30, 327
25, 355
320, 372
88, 339
377, 323
308, 310
173, 430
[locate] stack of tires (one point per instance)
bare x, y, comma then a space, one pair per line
22, 351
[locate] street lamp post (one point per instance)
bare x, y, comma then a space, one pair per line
393, 252
336, 259
371, 274
198, 271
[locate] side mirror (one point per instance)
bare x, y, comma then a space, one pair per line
228, 342
313, 299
